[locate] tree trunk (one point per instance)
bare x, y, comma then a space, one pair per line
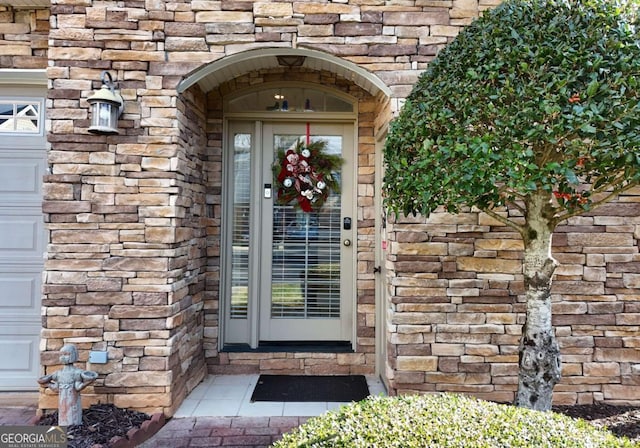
539, 355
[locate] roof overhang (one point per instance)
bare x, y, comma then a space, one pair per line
215, 73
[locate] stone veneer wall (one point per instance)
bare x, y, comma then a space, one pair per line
131, 216
127, 256
23, 38
457, 309
134, 219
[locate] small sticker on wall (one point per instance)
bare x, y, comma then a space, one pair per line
384, 244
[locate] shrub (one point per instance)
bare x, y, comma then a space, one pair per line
445, 420
534, 106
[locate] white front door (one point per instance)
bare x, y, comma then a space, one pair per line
291, 272
22, 236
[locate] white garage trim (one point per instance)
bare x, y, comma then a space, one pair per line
23, 77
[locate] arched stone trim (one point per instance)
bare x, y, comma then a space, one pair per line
370, 107
225, 69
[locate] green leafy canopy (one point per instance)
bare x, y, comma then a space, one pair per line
534, 97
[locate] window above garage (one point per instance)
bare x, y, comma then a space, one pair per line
20, 117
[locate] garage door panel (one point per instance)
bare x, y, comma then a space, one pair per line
21, 234
21, 177
19, 351
20, 293
19, 340
22, 348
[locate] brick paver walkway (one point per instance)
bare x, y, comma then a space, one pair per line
17, 416
222, 431
17, 408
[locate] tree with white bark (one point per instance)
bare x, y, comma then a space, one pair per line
534, 107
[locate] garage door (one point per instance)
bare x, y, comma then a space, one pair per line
22, 236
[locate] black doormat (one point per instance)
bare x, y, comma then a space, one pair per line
310, 388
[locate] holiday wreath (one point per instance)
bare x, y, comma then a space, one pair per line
306, 174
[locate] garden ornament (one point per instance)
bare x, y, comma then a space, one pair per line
68, 382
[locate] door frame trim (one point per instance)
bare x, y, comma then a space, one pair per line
259, 119
380, 253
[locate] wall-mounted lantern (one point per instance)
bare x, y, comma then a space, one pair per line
106, 106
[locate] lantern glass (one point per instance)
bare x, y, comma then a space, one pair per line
104, 117
106, 106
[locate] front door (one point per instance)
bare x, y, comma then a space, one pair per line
291, 271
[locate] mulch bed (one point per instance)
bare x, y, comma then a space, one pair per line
107, 426
620, 420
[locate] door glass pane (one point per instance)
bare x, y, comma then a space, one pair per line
289, 99
241, 221
306, 251
6, 108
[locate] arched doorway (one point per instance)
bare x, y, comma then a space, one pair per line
347, 105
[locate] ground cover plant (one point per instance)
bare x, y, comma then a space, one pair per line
446, 421
534, 109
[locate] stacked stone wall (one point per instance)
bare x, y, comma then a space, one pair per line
134, 220
127, 256
126, 267
457, 305
23, 38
